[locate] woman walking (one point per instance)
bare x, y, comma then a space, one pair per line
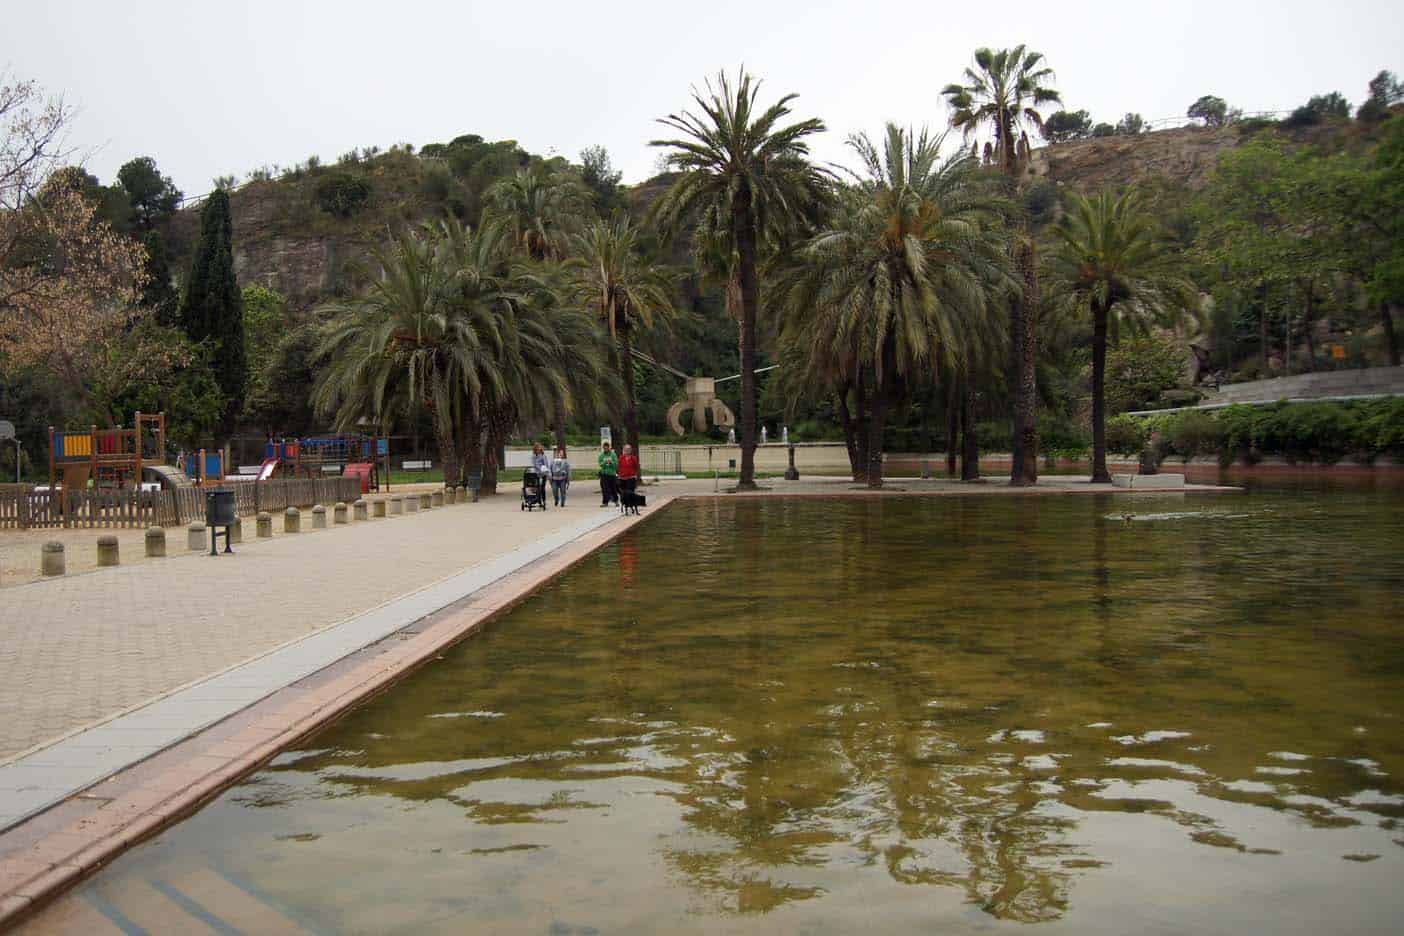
628, 470
560, 477
540, 462
609, 482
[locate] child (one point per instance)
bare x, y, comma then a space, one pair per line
560, 477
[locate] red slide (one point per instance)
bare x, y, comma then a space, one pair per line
360, 470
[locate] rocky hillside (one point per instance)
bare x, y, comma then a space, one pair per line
1186, 154
288, 238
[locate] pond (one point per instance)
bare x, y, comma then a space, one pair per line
1091, 714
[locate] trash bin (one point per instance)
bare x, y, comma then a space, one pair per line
219, 508
219, 512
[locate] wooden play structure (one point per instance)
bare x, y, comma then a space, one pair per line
363, 457
110, 458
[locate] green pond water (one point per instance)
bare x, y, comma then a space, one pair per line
887, 715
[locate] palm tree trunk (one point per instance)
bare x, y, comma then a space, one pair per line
560, 424
744, 231
953, 395
1099, 373
876, 422
850, 439
1391, 340
860, 422
1024, 341
626, 377
472, 447
970, 440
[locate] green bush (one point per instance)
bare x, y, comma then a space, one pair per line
1323, 432
1193, 433
1126, 435
342, 194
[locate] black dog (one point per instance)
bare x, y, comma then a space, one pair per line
631, 501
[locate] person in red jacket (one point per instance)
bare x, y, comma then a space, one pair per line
628, 470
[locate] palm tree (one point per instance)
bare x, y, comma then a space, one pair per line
1003, 91
406, 346
906, 273
540, 209
625, 291
1112, 260
752, 174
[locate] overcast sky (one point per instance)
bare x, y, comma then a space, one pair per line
220, 88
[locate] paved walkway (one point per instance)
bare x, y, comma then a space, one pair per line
80, 649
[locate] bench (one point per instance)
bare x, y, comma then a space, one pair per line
416, 465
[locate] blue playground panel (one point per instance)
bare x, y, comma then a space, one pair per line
213, 465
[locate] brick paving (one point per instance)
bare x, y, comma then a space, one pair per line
82, 648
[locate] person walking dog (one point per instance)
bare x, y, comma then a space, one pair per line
628, 470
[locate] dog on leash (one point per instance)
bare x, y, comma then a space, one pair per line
631, 501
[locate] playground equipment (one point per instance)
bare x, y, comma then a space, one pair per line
363, 457
111, 458
203, 466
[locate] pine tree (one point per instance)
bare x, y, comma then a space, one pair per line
212, 309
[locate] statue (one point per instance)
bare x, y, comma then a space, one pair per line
700, 396
765, 436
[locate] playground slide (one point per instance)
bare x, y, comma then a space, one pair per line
168, 475
265, 470
360, 470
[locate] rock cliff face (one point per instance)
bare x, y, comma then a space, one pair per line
1186, 155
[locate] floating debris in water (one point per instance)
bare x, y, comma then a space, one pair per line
468, 715
1178, 515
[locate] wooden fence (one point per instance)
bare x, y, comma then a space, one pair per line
30, 509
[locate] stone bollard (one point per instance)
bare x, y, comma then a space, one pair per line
436, 499
52, 559
412, 503
339, 514
450, 496
292, 520
361, 513
397, 505
107, 551
379, 508
155, 542
425, 501
263, 526
195, 536
319, 517
236, 531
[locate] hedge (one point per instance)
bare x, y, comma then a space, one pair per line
1323, 432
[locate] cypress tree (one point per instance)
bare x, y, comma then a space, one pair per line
212, 308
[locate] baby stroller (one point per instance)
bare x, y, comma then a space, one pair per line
533, 491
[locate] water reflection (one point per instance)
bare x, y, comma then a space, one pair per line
883, 713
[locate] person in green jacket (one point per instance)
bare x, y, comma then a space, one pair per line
609, 476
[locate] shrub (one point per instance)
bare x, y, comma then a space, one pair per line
1193, 433
1126, 435
342, 194
1324, 431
